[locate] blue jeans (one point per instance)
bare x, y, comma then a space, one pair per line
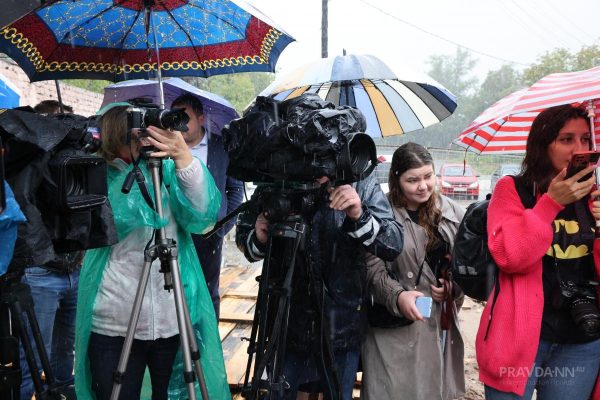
560, 371
301, 368
158, 355
55, 303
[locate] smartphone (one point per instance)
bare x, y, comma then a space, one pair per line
581, 161
424, 306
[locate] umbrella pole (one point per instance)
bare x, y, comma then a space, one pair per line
592, 115
158, 68
60, 103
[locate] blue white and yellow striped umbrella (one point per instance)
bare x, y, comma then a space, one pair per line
392, 106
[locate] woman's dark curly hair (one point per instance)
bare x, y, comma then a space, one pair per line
410, 156
537, 165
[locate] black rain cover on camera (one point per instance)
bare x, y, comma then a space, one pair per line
299, 139
31, 142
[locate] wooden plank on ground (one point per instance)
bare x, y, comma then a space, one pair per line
237, 355
236, 317
239, 293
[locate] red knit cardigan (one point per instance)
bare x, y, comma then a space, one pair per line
518, 238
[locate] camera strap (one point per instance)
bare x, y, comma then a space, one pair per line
137, 175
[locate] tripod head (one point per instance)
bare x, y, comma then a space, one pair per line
278, 201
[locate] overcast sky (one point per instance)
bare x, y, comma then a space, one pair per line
403, 33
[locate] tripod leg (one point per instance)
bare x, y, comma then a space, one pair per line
135, 316
17, 311
188, 374
195, 352
272, 358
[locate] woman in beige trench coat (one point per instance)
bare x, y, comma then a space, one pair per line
418, 361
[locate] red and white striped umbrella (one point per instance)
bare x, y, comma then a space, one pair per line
503, 127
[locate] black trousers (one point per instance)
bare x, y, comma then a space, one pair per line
158, 355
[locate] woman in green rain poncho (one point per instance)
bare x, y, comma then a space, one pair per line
110, 275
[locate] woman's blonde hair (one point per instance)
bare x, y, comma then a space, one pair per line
113, 130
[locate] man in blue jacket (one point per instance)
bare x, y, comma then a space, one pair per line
209, 149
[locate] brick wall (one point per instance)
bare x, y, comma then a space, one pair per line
84, 102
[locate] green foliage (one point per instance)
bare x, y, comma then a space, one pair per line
561, 60
455, 72
96, 86
240, 89
588, 57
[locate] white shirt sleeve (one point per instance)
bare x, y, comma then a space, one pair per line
192, 181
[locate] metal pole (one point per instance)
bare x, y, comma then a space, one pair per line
324, 28
158, 69
592, 115
60, 103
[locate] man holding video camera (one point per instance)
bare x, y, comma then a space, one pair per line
54, 292
349, 220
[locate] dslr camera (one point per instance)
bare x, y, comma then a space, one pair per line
581, 302
141, 117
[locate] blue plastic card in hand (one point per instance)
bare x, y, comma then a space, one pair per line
424, 306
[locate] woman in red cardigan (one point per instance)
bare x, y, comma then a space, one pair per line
543, 330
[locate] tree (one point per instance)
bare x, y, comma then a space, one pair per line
96, 86
561, 60
239, 89
586, 58
558, 60
456, 74
497, 84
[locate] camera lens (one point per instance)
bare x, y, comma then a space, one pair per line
174, 119
586, 316
75, 183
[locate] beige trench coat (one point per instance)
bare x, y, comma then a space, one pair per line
408, 362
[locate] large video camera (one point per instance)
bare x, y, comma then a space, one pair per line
60, 187
299, 140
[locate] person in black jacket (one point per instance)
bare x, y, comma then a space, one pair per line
329, 278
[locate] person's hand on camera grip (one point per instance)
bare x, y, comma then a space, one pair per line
170, 144
407, 304
567, 190
344, 198
261, 228
437, 293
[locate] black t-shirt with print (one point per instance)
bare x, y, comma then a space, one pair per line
570, 259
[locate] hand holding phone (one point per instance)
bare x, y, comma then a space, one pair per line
424, 306
580, 161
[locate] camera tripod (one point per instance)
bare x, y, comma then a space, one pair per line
15, 301
267, 342
164, 249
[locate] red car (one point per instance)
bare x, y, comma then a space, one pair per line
458, 181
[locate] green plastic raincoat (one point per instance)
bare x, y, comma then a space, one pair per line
130, 213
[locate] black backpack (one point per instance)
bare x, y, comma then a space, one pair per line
473, 267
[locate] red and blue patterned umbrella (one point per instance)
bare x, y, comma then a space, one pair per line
113, 40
